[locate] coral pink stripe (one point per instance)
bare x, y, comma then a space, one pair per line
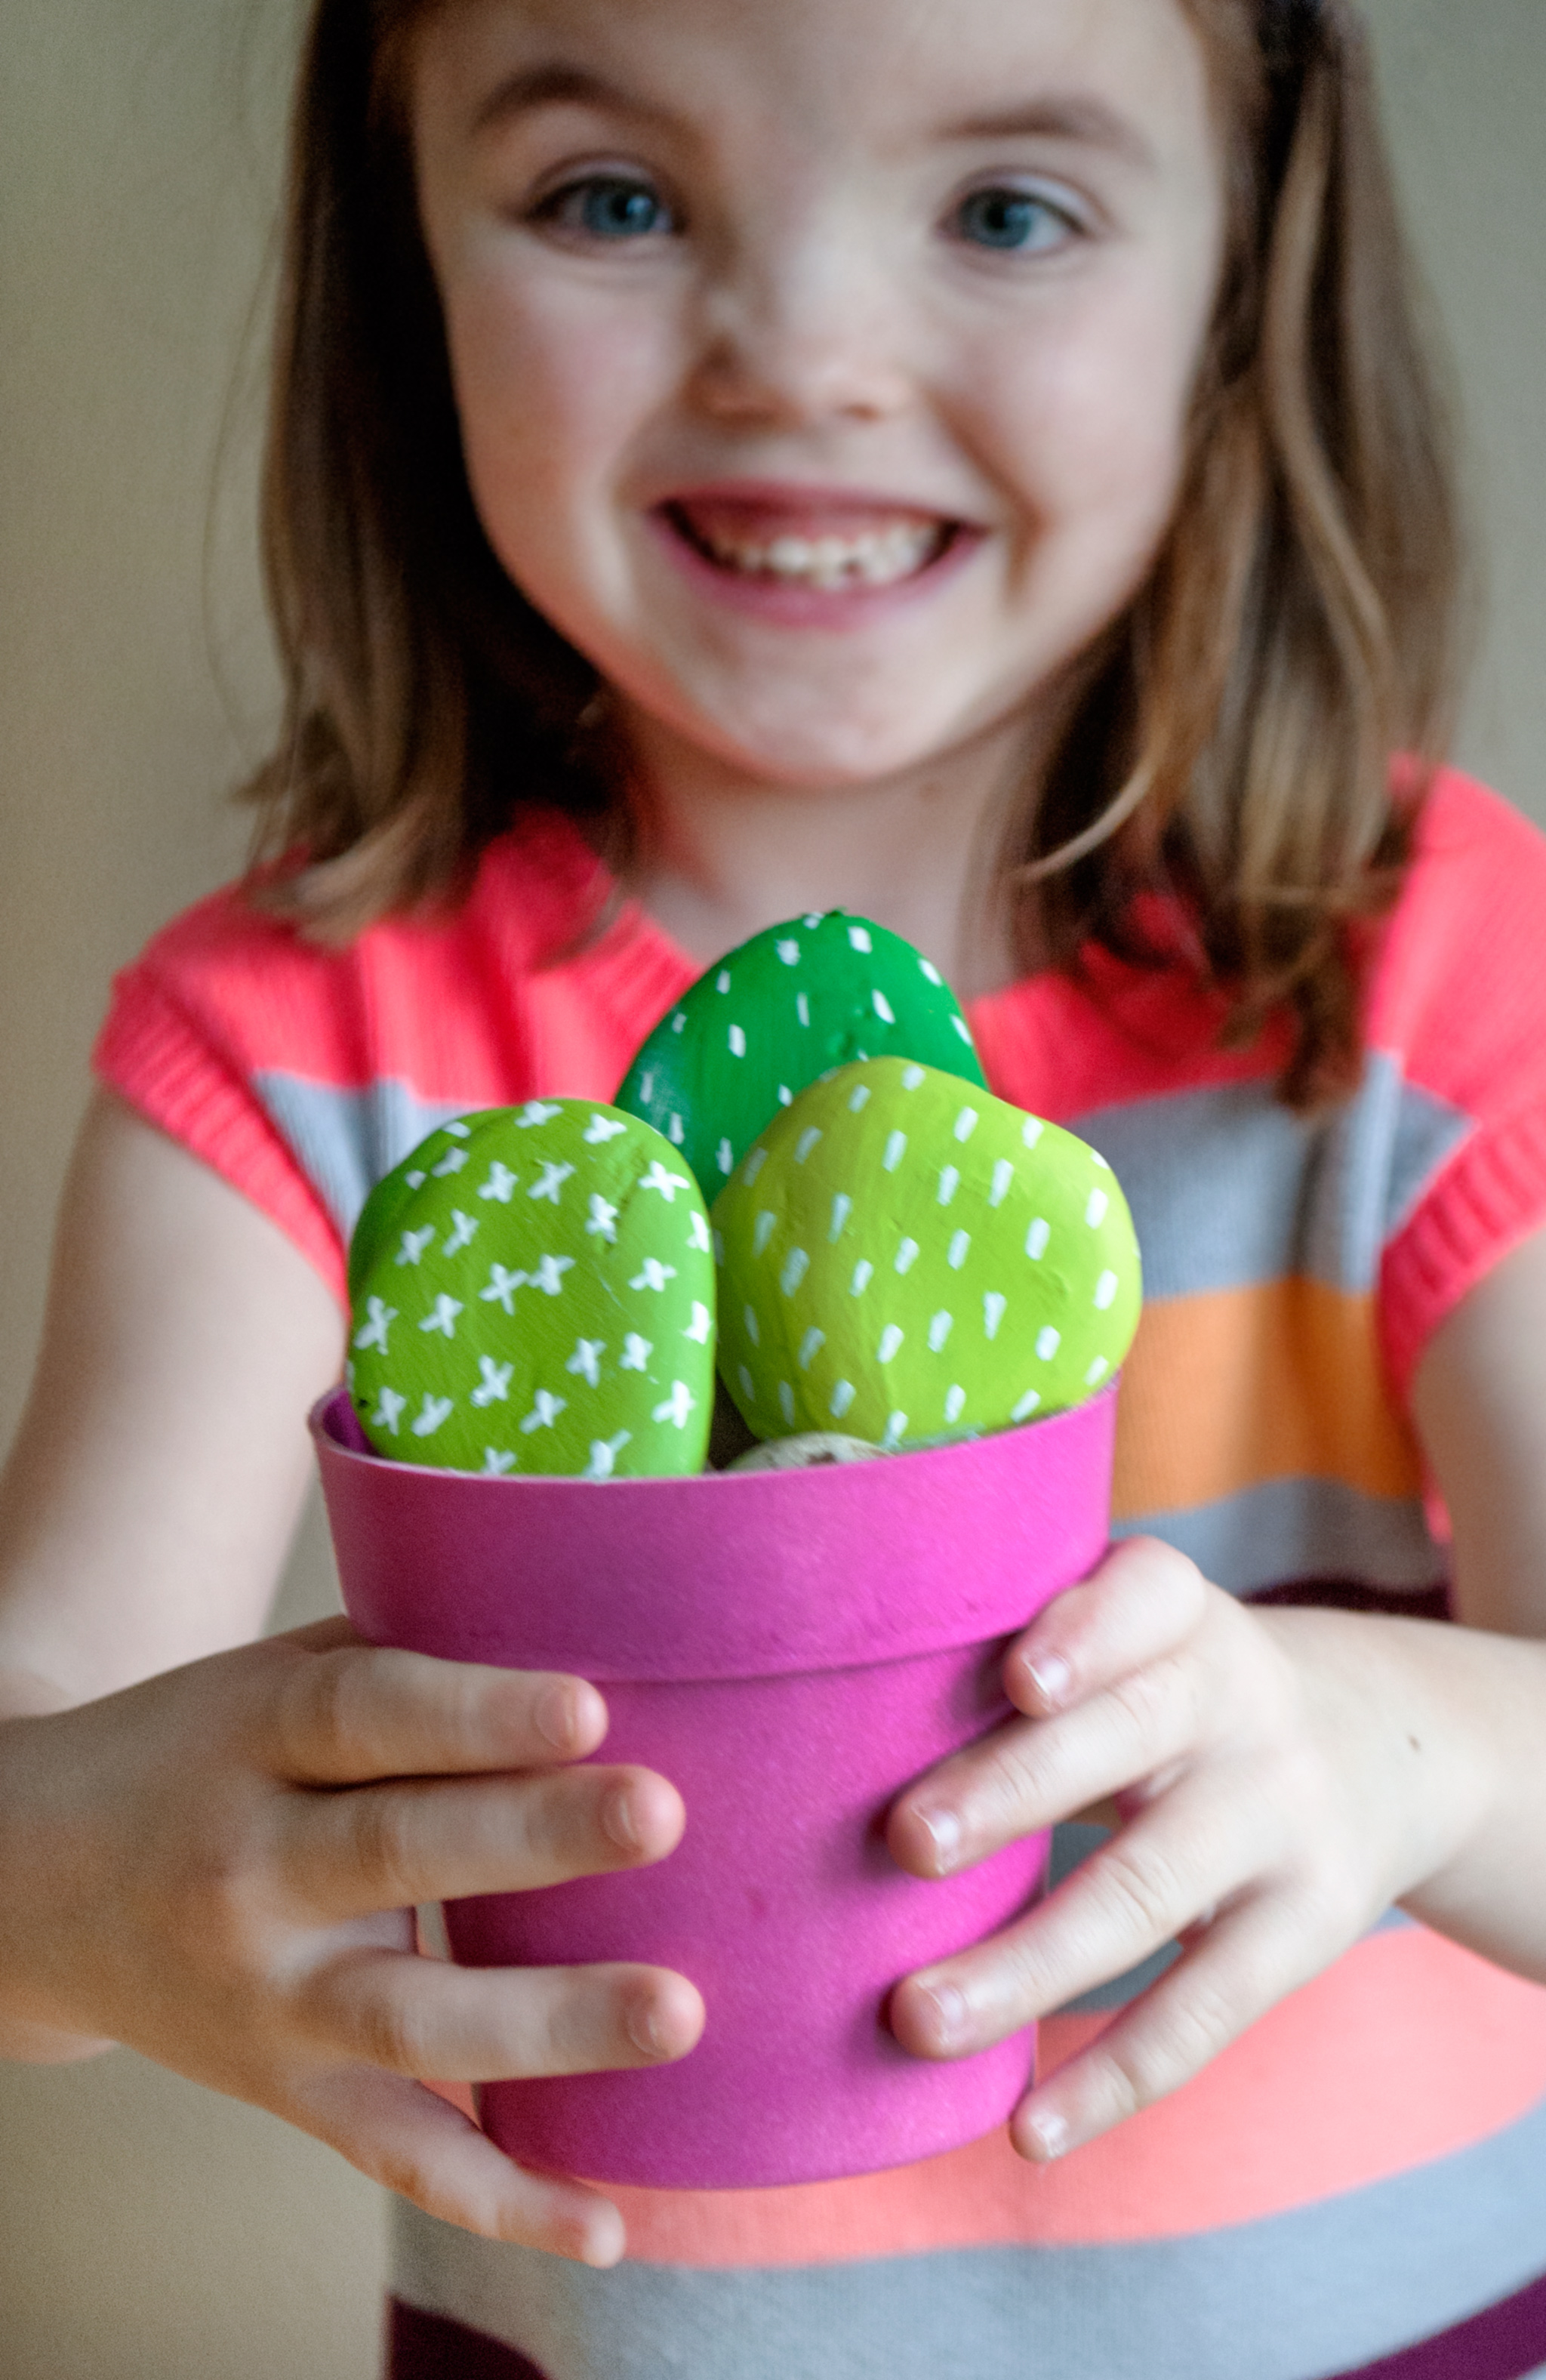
1407, 2050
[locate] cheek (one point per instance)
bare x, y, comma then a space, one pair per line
1089, 428
549, 397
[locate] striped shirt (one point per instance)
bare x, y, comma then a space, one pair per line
1358, 2184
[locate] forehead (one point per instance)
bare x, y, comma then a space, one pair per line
899, 68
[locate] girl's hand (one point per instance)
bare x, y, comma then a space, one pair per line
219, 1867
1281, 1777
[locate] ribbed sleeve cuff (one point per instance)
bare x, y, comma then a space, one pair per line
1492, 1197
152, 1055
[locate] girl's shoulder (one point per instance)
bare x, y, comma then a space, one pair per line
1456, 984
303, 1072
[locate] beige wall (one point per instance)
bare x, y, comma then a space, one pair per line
148, 2231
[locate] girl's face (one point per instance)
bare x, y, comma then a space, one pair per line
822, 366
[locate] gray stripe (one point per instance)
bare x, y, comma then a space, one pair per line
1315, 2291
345, 1141
1227, 1188
1301, 1529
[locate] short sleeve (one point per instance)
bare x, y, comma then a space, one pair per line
183, 1046
1458, 1003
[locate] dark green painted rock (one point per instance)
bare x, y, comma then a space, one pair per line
773, 1016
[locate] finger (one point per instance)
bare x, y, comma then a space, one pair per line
393, 1846
341, 1717
1248, 1961
1143, 1603
408, 2139
1030, 1774
421, 2019
1131, 1898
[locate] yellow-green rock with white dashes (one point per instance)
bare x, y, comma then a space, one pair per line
904, 1258
533, 1291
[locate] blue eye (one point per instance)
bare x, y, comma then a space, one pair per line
608, 207
1014, 220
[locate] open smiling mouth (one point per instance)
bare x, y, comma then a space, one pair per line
833, 556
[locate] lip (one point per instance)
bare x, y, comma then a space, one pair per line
781, 507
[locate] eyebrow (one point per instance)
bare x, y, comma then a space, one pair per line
558, 85
1088, 121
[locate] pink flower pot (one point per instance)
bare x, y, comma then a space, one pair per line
790, 1648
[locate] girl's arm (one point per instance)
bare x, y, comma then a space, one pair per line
213, 1853
1283, 1777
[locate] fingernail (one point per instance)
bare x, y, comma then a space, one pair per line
617, 1816
1047, 2135
943, 1830
1051, 1677
950, 2013
644, 2027
557, 1718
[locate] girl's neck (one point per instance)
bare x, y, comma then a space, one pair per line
722, 855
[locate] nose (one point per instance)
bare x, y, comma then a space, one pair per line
801, 329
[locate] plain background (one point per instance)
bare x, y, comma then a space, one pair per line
149, 2230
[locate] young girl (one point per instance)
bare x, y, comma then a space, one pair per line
971, 465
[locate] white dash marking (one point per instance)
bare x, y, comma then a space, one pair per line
786, 1402
753, 1165
966, 1124
864, 1273
891, 1339
797, 1264
737, 1043
939, 1330
807, 1142
1031, 1130
843, 1208
960, 1248
907, 1256
788, 952
859, 1098
723, 981
913, 1079
842, 1398
950, 1183
882, 1008
748, 1386
994, 1308
1003, 1176
1096, 1209
1027, 1405
1096, 1372
762, 1231
859, 938
895, 1149
811, 1347
1036, 1238
1048, 1341
955, 1405
929, 972
803, 1009
754, 1327
725, 1158
1105, 1292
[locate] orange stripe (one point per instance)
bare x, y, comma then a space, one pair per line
1281, 1380
1404, 2051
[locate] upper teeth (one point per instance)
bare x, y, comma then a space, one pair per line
874, 558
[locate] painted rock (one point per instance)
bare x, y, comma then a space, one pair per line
776, 1014
904, 1259
533, 1291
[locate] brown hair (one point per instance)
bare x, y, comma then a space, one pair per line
1233, 744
